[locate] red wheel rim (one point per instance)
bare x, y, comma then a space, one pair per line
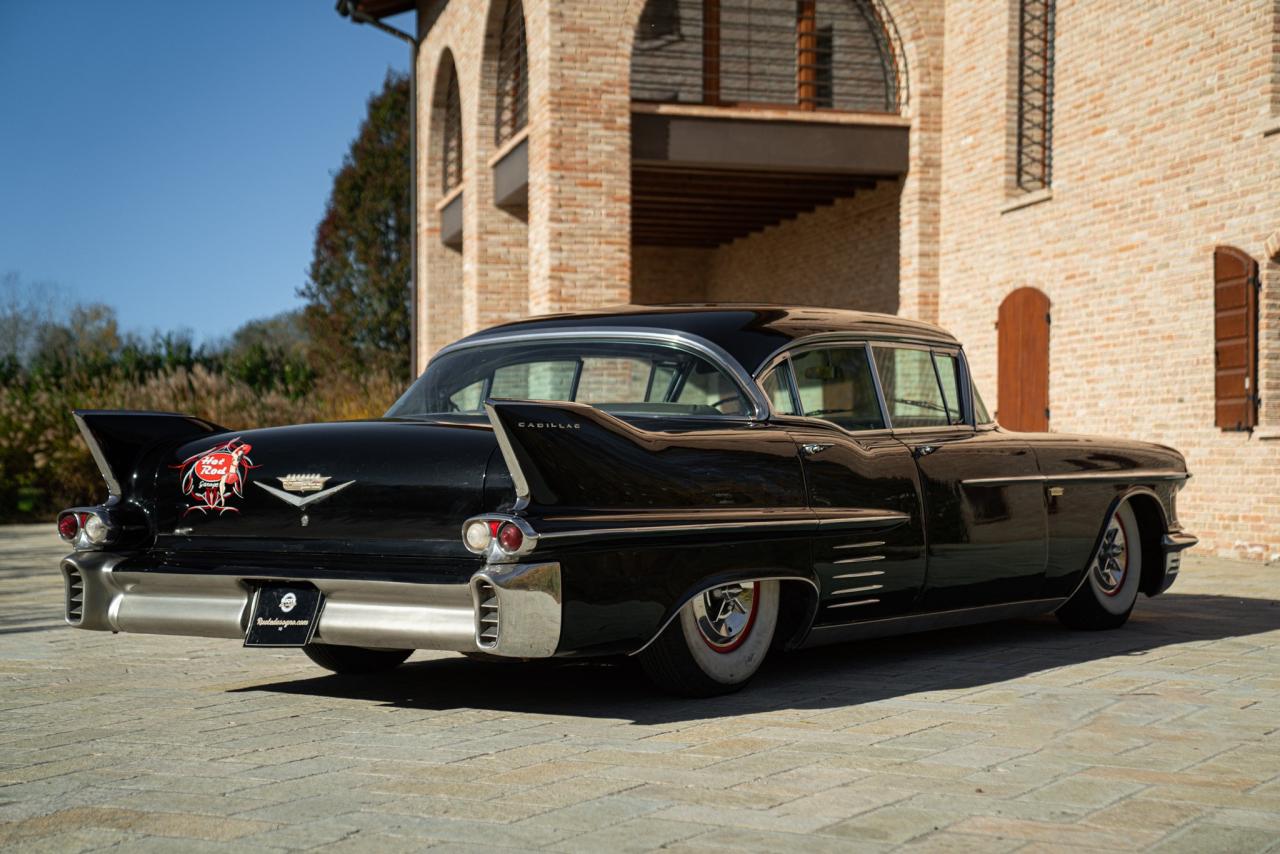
715, 612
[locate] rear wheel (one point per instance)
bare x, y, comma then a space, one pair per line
1107, 596
717, 642
355, 659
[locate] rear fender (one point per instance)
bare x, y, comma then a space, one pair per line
117, 439
569, 455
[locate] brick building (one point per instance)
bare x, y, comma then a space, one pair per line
1086, 193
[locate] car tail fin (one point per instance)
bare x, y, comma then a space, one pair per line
117, 438
571, 455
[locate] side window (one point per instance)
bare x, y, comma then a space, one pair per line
836, 384
778, 390
707, 386
949, 373
910, 387
980, 413
610, 379
534, 381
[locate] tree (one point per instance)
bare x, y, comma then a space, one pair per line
358, 300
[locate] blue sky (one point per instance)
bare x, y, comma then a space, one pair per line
173, 160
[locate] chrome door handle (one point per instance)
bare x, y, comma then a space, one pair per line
923, 450
813, 448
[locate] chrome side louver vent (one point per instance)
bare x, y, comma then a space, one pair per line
486, 597
75, 596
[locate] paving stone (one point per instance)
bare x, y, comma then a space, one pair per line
1019, 735
1212, 838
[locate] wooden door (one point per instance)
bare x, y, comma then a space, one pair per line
1023, 353
1235, 334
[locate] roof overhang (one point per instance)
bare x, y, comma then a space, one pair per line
705, 177
384, 8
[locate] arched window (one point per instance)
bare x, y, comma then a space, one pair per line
802, 54
451, 150
513, 75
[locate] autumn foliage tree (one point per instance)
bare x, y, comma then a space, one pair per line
358, 299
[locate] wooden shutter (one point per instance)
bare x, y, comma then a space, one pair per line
1235, 339
1023, 357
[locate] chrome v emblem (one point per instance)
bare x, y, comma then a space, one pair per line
301, 501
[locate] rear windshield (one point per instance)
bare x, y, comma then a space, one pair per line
620, 377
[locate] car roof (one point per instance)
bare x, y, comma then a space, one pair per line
750, 333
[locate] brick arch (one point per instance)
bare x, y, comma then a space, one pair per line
439, 308
496, 241
913, 69
1272, 246
487, 100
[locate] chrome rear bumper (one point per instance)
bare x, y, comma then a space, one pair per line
523, 617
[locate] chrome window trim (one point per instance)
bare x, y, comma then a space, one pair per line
686, 341
829, 340
820, 338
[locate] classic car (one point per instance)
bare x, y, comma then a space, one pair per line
691, 485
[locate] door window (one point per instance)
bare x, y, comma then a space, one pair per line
836, 385
949, 374
778, 390
910, 386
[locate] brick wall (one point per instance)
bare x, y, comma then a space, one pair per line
1166, 144
845, 255
1160, 154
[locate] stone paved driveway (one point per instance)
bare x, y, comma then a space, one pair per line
1019, 736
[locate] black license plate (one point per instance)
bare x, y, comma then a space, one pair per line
283, 616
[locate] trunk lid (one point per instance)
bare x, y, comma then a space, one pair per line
363, 487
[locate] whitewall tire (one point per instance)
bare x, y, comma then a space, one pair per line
1107, 595
717, 642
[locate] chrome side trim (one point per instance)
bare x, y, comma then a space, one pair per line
847, 590
1116, 476
820, 635
859, 559
518, 480
95, 451
854, 604
527, 613
795, 524
863, 521
745, 580
696, 344
869, 545
871, 574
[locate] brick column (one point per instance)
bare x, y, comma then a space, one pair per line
579, 154
920, 24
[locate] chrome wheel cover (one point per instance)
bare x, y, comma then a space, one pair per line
724, 615
1111, 564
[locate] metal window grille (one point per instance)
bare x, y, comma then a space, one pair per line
800, 54
451, 159
513, 75
1035, 94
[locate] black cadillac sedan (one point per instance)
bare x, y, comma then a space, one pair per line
691, 485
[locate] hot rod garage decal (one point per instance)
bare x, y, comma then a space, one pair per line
211, 477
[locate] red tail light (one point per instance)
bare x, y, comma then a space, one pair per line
510, 537
68, 527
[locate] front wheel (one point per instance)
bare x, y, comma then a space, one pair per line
355, 659
1107, 596
717, 642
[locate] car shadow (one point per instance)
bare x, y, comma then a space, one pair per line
827, 677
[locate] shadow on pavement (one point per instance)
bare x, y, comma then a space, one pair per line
827, 677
